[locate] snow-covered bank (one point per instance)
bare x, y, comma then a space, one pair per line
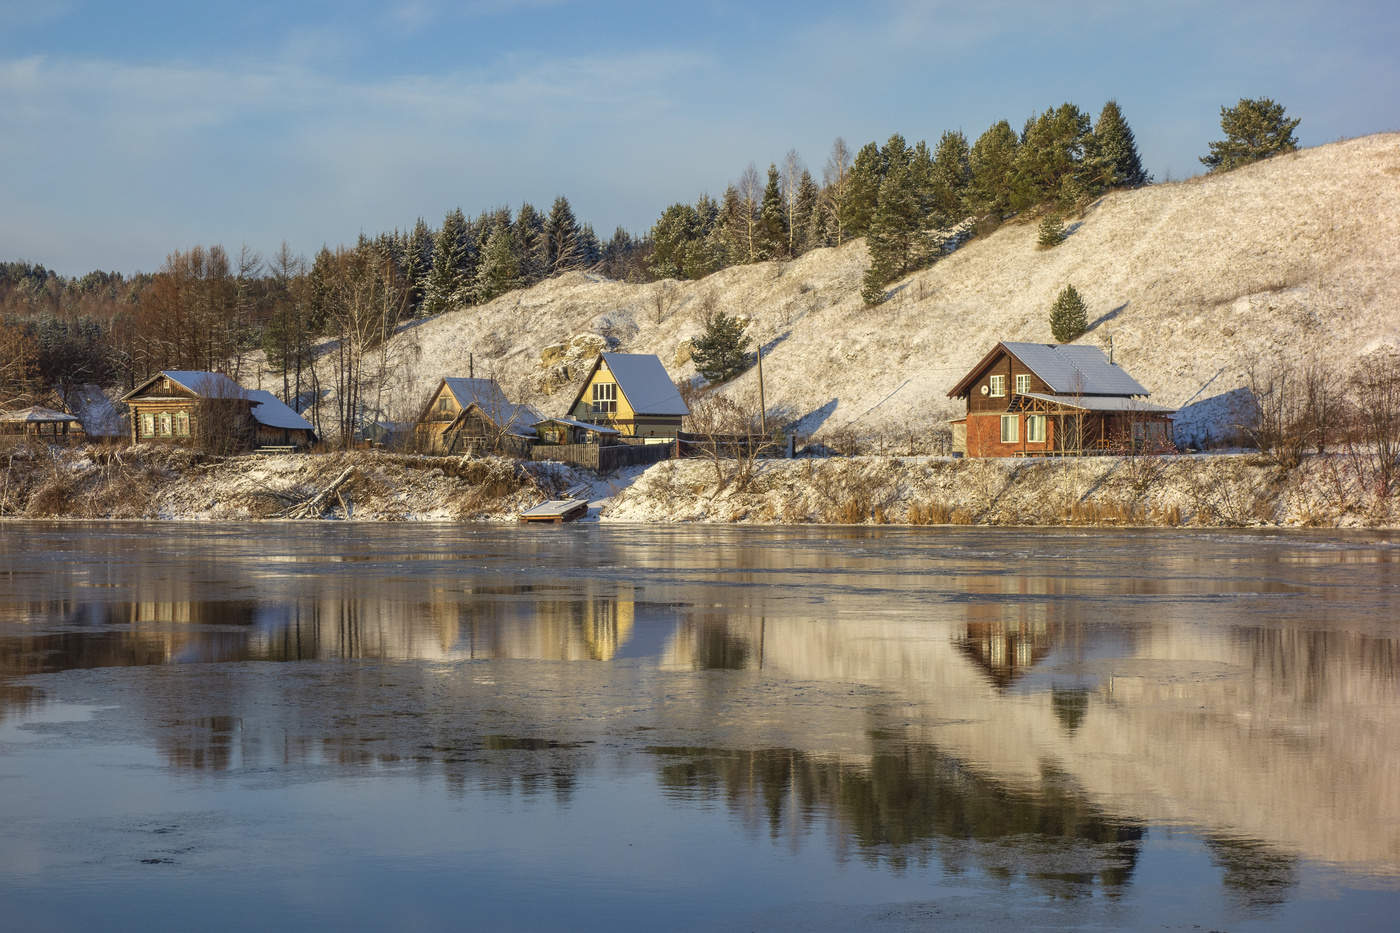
1216, 490
159, 482
155, 482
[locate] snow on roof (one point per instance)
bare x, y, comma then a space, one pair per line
271, 411
646, 383
491, 401
209, 385
36, 414
1112, 403
599, 428
1075, 369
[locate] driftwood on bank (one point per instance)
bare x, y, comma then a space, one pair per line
315, 507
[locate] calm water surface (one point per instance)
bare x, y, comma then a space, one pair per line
347, 727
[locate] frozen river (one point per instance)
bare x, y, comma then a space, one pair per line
391, 727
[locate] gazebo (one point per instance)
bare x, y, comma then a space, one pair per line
39, 424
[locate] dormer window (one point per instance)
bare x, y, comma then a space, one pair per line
998, 386
1023, 384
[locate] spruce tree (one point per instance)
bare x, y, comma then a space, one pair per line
498, 270
447, 284
775, 230
1052, 231
561, 238
1116, 149
806, 219
1254, 130
1069, 318
418, 264
722, 351
531, 245
671, 237
951, 176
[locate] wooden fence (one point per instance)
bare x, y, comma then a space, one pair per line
603, 458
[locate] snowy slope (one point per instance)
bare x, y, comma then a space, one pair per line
1293, 257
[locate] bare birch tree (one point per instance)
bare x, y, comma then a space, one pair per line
836, 177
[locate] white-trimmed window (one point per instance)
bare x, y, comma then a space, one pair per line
998, 386
1023, 384
604, 398
1035, 429
148, 425
182, 424
165, 424
1010, 429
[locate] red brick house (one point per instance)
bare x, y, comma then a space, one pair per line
1036, 399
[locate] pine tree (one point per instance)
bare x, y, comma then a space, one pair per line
991, 163
722, 351
1116, 148
949, 185
807, 223
498, 270
1052, 231
1069, 318
775, 232
897, 240
863, 194
1254, 130
1050, 163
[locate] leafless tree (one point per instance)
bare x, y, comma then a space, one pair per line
223, 424
791, 181
836, 176
365, 299
747, 233
1374, 444
728, 433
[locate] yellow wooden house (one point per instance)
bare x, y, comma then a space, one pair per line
632, 393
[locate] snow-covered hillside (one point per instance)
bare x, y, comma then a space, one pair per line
1193, 281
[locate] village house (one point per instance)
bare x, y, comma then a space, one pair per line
169, 406
632, 393
465, 413
1035, 399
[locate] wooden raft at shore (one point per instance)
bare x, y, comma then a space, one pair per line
557, 511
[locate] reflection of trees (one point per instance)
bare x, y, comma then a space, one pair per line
1256, 875
914, 802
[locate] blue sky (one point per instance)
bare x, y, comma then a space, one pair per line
129, 129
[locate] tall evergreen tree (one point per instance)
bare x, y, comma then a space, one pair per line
722, 351
448, 285
531, 244
863, 195
498, 270
896, 239
1254, 130
991, 165
775, 232
1115, 146
1050, 163
561, 237
671, 237
1069, 318
590, 251
418, 263
807, 220
951, 176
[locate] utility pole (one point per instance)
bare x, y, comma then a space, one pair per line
762, 403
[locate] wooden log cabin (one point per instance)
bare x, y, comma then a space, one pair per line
463, 413
633, 393
1035, 399
169, 406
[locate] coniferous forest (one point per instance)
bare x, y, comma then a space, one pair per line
205, 307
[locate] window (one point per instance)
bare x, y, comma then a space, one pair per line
182, 424
1010, 429
1035, 429
444, 404
1023, 384
148, 425
604, 397
998, 384
165, 424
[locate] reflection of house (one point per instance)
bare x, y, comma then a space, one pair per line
1034, 398
42, 425
168, 408
1008, 648
464, 413
632, 393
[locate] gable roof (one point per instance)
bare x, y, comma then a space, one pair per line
36, 414
490, 400
1069, 369
643, 380
203, 384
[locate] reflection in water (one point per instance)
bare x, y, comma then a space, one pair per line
1019, 706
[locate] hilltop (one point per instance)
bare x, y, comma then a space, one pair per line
1293, 258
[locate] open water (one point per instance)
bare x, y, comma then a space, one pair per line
391, 727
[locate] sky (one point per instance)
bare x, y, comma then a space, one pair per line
131, 128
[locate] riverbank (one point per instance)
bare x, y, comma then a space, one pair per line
168, 483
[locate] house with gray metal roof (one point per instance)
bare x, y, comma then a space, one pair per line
168, 408
1034, 399
463, 413
633, 393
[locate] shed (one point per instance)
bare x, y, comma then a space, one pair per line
39, 424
